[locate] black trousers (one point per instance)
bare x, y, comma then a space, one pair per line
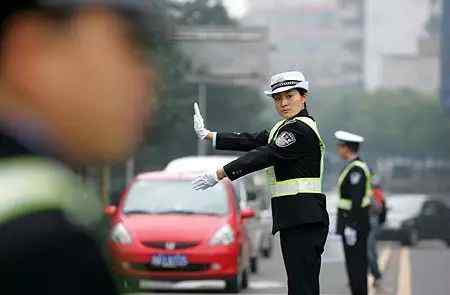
302, 248
356, 263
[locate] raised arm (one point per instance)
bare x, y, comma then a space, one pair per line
228, 141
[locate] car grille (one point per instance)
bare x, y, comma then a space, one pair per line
169, 245
187, 268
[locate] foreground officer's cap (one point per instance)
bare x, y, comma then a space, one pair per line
142, 13
347, 137
287, 81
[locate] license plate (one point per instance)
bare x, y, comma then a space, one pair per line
169, 261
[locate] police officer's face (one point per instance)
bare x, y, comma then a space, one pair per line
289, 103
85, 81
343, 151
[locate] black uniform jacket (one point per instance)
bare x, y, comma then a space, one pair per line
354, 188
44, 253
297, 158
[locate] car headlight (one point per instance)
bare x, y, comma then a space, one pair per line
223, 236
120, 235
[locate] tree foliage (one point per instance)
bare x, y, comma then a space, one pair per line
394, 123
171, 133
200, 12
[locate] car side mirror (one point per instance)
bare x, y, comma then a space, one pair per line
247, 213
110, 210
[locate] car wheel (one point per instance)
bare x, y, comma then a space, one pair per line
411, 237
448, 243
254, 264
244, 283
234, 284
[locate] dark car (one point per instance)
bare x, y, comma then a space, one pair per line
432, 222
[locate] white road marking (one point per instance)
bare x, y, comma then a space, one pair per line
404, 277
384, 258
213, 284
259, 285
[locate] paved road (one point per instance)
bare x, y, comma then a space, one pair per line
424, 269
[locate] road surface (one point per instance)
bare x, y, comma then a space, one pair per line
424, 269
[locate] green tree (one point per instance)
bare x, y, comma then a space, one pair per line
395, 123
200, 12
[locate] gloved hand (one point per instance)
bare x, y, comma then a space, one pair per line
351, 236
205, 181
199, 125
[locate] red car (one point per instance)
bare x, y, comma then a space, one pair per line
164, 230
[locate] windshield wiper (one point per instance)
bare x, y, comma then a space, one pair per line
208, 213
137, 212
186, 212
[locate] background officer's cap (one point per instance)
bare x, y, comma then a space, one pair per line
287, 81
347, 137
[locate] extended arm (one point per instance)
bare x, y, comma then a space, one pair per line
228, 141
288, 146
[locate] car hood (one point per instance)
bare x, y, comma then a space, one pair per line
173, 227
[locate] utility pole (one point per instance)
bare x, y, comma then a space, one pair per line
445, 55
202, 101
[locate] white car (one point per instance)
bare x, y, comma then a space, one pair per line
250, 191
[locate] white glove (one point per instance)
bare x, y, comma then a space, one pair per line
205, 181
351, 236
199, 125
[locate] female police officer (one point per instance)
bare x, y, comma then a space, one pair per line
293, 151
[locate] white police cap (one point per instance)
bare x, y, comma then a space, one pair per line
348, 137
286, 81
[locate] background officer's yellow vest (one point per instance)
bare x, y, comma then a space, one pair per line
345, 202
296, 185
30, 185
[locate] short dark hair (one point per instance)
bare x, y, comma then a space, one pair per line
149, 19
353, 146
302, 91
14, 7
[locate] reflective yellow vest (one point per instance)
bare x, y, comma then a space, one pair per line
345, 202
30, 185
297, 185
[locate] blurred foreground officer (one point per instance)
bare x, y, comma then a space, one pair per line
294, 151
354, 187
71, 93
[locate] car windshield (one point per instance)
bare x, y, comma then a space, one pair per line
174, 197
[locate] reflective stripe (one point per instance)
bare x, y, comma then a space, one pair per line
30, 185
346, 203
297, 185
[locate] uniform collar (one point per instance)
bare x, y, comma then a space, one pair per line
303, 113
22, 138
355, 159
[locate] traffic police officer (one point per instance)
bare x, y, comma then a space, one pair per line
354, 188
69, 79
293, 151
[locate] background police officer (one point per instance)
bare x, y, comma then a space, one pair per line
294, 151
72, 91
354, 187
